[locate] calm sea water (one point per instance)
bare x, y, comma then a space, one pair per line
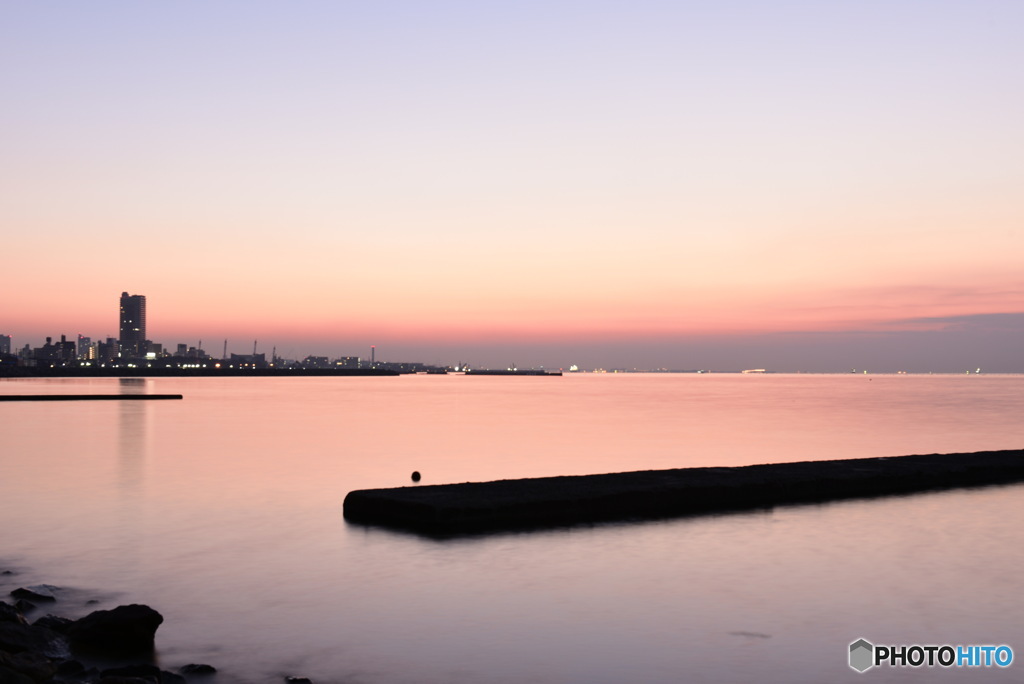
224, 512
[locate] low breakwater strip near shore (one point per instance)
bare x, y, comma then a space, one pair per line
475, 507
87, 397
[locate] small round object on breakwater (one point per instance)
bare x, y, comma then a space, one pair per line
416, 476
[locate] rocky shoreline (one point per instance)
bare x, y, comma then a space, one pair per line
104, 647
115, 646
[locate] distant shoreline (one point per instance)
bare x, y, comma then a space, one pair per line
98, 372
7, 372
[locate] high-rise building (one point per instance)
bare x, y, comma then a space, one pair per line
86, 352
133, 325
5, 344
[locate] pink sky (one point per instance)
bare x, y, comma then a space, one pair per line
651, 186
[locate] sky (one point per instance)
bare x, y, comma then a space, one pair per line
810, 186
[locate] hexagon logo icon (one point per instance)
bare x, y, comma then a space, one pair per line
862, 655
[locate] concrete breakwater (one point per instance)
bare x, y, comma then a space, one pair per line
87, 397
528, 372
551, 501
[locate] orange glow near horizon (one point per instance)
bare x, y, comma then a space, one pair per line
528, 318
615, 183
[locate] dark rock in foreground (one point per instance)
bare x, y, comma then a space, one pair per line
60, 625
38, 593
39, 653
125, 629
130, 674
70, 668
9, 613
11, 676
16, 637
552, 501
24, 606
35, 666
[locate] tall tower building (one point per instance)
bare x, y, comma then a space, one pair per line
5, 344
133, 324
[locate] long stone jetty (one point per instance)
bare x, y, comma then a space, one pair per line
87, 397
474, 507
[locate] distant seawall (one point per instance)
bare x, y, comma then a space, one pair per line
553, 501
527, 372
87, 397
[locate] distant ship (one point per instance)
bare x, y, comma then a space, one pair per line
755, 370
